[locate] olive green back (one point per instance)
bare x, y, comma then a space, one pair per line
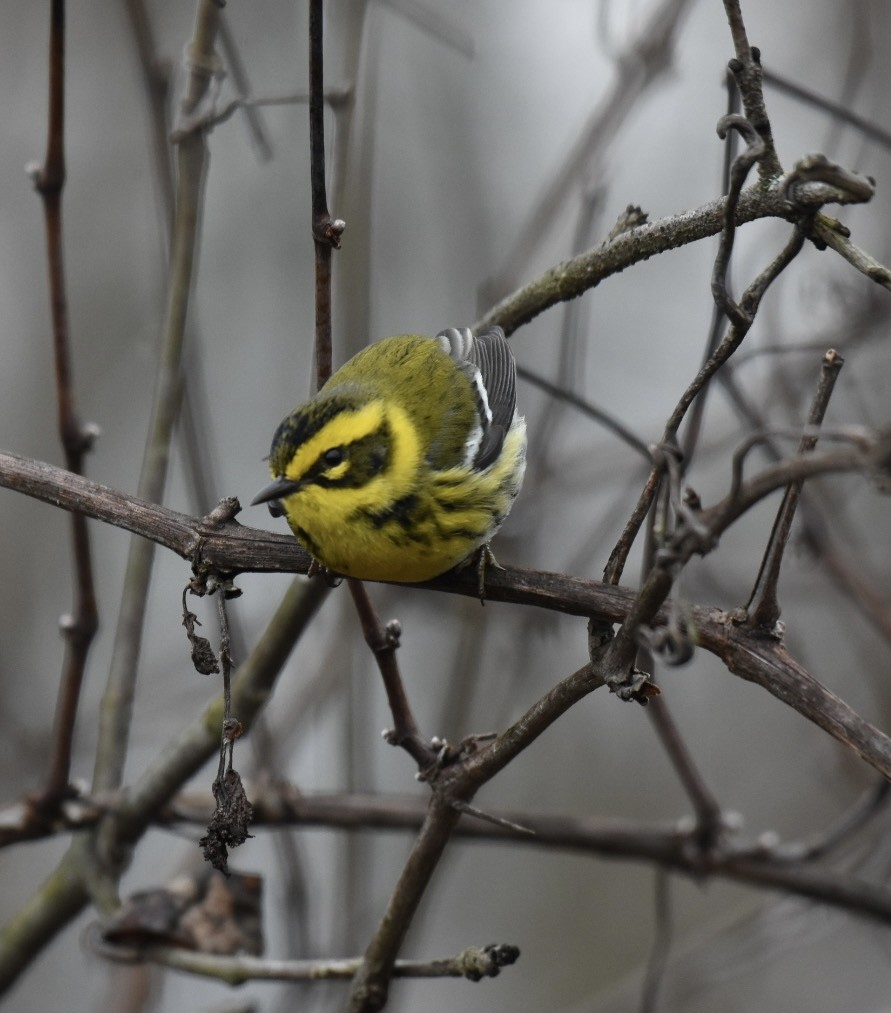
417, 374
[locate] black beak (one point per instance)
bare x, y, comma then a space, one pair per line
273, 493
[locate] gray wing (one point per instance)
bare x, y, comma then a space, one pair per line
491, 367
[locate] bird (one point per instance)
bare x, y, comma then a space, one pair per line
407, 461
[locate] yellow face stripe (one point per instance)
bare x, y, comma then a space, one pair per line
344, 428
350, 426
453, 511
405, 456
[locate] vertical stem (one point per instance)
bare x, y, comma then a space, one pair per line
191, 163
156, 82
656, 965
227, 741
694, 421
80, 627
746, 69
383, 644
764, 606
321, 219
371, 984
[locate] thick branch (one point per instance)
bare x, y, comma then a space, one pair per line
574, 277
231, 548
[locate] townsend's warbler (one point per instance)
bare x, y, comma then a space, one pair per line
407, 460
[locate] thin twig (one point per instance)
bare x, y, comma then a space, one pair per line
615, 565
325, 230
872, 802
238, 72
837, 238
746, 69
818, 534
473, 963
658, 961
156, 83
748, 306
384, 643
608, 421
755, 150
227, 742
709, 821
835, 109
336, 97
763, 607
445, 26
744, 495
708, 811
697, 412
80, 627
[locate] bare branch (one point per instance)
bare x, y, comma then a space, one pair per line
837, 110
238, 71
371, 982
671, 846
764, 608
658, 960
326, 231
755, 151
574, 277
80, 627
474, 963
745, 315
746, 69
383, 642
608, 421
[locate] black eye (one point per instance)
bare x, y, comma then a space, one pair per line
333, 457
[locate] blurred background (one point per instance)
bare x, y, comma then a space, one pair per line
467, 164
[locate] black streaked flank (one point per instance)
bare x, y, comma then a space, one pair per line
404, 512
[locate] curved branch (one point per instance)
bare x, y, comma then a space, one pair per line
229, 547
574, 277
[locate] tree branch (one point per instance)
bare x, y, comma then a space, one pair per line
572, 278
769, 863
77, 439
